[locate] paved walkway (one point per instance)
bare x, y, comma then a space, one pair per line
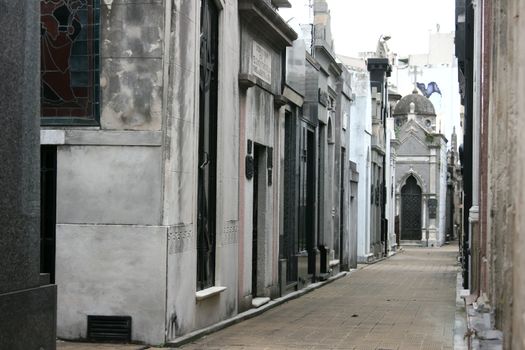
405, 302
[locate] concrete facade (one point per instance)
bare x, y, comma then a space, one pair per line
333, 97
360, 128
263, 49
320, 197
421, 153
127, 189
490, 52
380, 70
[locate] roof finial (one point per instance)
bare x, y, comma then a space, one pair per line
412, 108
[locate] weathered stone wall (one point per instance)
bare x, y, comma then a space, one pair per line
131, 80
110, 182
506, 165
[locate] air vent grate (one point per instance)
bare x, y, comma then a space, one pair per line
109, 328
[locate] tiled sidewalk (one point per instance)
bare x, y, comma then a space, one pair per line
405, 302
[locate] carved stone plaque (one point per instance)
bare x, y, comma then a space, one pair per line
262, 63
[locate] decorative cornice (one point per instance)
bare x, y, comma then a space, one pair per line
267, 21
312, 61
378, 149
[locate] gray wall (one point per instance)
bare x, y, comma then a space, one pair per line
126, 193
28, 308
505, 189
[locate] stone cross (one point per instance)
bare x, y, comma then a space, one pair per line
415, 71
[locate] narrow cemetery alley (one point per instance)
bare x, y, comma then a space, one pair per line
262, 174
404, 302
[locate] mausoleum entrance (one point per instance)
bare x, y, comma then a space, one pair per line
411, 211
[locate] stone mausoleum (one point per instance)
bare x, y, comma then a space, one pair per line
421, 173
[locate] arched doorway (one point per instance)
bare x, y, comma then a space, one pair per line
411, 211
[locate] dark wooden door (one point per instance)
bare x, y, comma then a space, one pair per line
411, 210
258, 155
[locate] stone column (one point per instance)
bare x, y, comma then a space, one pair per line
424, 221
27, 308
473, 219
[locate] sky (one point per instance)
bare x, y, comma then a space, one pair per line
358, 24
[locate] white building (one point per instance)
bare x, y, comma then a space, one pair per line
360, 127
439, 65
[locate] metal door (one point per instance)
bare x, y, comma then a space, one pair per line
411, 210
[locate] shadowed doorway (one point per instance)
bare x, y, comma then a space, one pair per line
411, 211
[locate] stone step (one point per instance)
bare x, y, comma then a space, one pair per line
258, 302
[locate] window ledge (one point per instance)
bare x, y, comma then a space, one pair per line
209, 292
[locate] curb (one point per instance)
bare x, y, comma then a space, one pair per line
383, 258
460, 321
185, 339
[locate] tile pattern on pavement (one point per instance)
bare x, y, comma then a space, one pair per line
405, 302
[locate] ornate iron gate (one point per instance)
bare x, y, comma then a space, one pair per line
207, 182
411, 210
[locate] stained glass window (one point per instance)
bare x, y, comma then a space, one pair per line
70, 61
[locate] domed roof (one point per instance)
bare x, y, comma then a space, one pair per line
423, 106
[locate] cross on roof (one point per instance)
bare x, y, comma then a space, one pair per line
415, 71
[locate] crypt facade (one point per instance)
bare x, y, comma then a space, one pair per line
421, 172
